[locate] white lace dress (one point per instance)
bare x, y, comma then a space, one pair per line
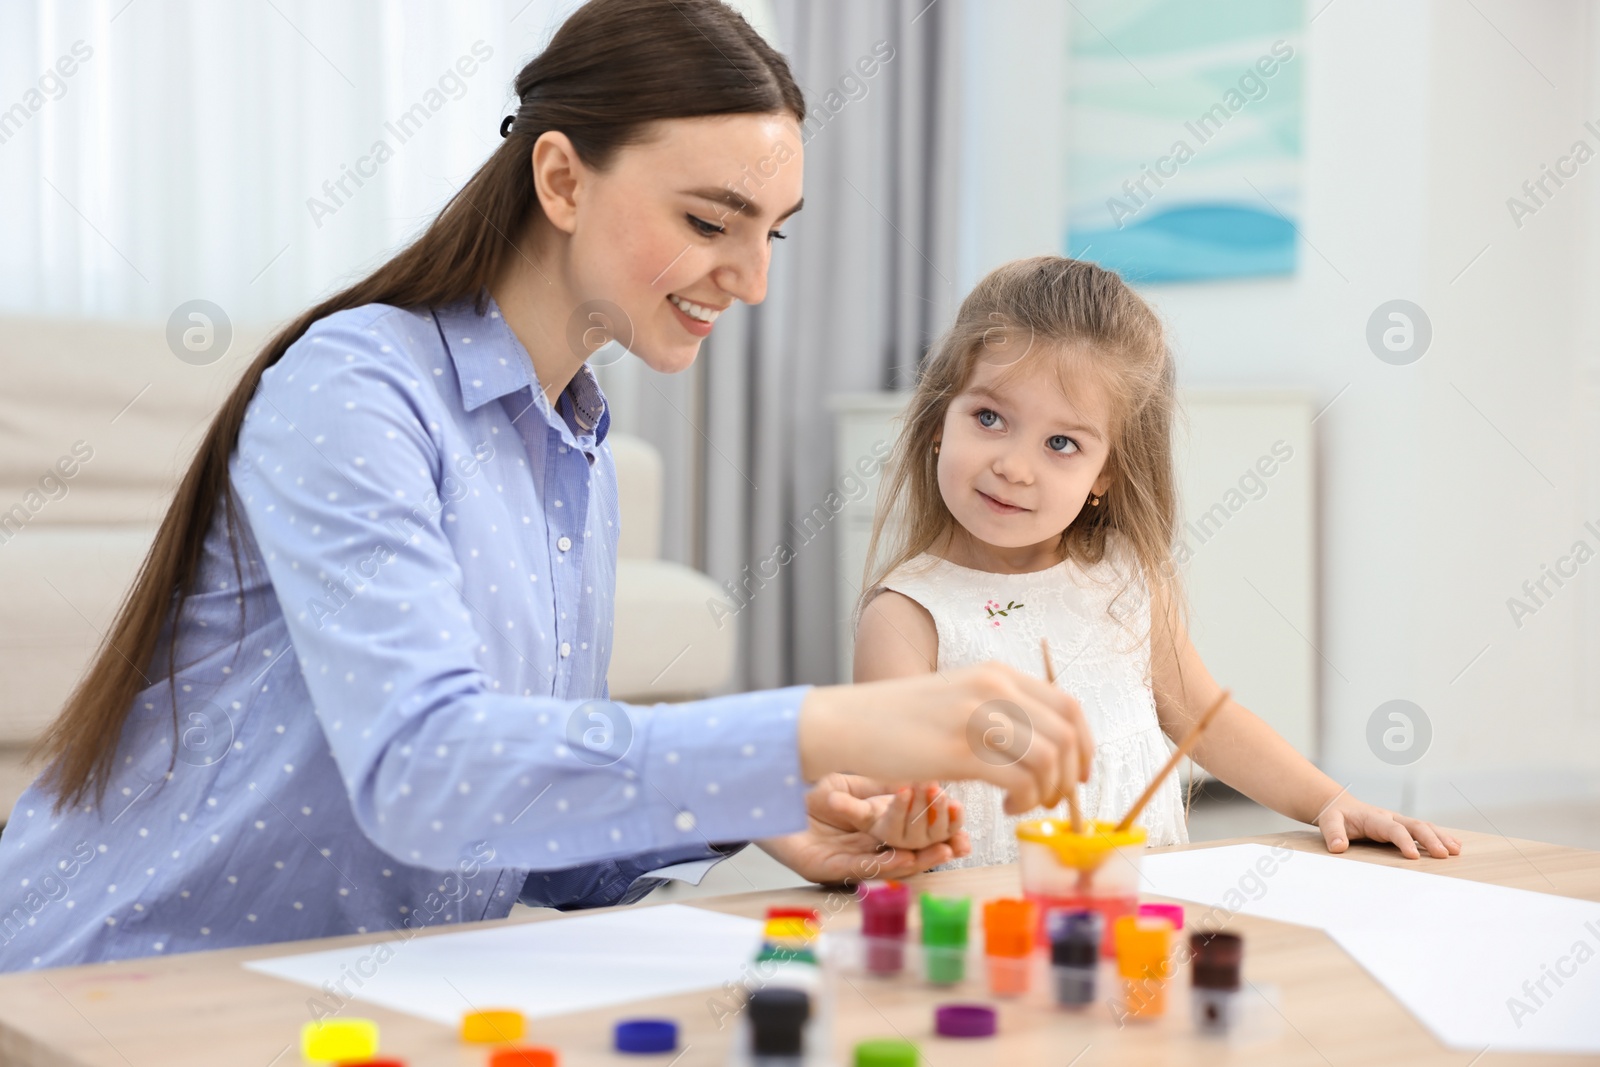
1102, 657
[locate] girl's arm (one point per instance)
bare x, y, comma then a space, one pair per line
896, 639
1251, 757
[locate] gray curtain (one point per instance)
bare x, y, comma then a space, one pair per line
856, 295
855, 298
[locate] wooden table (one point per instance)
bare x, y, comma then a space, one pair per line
205, 1009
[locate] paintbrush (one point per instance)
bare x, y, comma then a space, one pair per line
1072, 791
1172, 761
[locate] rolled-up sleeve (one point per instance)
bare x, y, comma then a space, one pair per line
339, 472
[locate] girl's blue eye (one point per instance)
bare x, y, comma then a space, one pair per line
1059, 443
987, 419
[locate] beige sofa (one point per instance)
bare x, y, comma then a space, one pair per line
97, 421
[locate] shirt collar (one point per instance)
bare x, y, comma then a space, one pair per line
490, 363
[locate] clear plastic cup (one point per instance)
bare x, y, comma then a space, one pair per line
1097, 870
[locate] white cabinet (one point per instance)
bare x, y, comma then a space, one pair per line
1246, 470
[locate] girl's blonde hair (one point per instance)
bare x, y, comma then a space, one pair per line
1087, 320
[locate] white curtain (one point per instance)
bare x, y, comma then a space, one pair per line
184, 154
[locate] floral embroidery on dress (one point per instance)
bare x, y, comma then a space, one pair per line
995, 610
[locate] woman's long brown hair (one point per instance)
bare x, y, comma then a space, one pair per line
611, 69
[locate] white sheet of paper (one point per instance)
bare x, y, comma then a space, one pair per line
691, 871
1466, 958
541, 968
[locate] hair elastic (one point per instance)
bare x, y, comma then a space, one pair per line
505, 125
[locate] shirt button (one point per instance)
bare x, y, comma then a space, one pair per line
566, 649
684, 821
565, 543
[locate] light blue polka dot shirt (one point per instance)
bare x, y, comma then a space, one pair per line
390, 714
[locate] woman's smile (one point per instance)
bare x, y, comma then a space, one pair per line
696, 318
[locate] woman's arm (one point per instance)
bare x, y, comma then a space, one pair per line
340, 477
1253, 758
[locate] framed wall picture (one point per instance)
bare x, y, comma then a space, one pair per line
1184, 137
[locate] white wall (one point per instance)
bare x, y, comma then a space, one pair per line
1422, 118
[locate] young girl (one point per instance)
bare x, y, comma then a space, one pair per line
1031, 496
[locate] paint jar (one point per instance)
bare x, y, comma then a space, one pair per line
1008, 926
887, 1052
781, 968
944, 937
777, 1026
1075, 938
1144, 960
1097, 870
1215, 981
1173, 913
794, 927
883, 925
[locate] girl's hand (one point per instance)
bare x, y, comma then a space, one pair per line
1347, 818
989, 722
838, 844
912, 817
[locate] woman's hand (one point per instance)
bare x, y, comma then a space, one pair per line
838, 844
1347, 819
988, 722
912, 817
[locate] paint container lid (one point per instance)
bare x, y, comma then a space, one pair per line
945, 919
777, 1021
886, 1052
492, 1027
1075, 938
796, 913
1217, 957
883, 908
1008, 927
1173, 913
965, 1020
1144, 946
523, 1056
792, 927
332, 1040
771, 950
646, 1035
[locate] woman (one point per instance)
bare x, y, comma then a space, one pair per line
359, 681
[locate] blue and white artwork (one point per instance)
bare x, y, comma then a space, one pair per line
1184, 137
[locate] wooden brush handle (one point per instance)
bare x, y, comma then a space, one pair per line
1172, 761
1075, 812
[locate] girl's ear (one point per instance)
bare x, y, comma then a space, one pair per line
557, 174
1101, 484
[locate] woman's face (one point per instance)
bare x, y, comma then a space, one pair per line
681, 225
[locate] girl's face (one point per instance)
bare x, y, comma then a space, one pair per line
681, 225
1018, 459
